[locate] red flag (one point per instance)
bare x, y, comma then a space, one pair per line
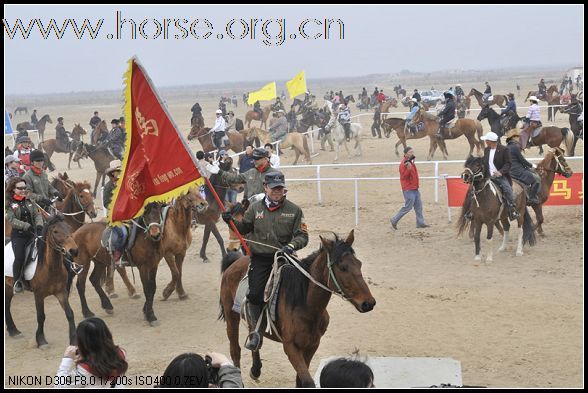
157, 163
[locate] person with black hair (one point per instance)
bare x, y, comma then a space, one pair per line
38, 182
346, 373
190, 370
26, 222
95, 361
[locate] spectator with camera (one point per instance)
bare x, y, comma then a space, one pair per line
95, 361
409, 181
190, 370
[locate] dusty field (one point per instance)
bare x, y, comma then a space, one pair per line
515, 323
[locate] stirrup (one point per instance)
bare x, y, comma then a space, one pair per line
18, 286
253, 341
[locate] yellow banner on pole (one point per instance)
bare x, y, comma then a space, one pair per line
266, 93
297, 85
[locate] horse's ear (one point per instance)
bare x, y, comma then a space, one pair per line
65, 176
350, 237
328, 244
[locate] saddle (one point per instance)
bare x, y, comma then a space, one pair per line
414, 129
109, 239
525, 188
30, 264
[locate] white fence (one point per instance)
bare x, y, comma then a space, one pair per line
318, 179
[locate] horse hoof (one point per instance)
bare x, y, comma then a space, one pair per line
135, 296
519, 254
109, 311
113, 295
253, 376
154, 323
477, 258
16, 334
489, 260
43, 347
184, 296
206, 260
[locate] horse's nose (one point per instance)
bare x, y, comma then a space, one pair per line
74, 252
368, 305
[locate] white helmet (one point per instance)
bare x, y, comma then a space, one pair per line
219, 112
533, 98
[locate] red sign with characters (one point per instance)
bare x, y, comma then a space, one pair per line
157, 164
564, 191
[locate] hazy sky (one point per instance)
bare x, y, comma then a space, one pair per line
377, 39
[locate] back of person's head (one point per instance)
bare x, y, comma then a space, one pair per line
346, 373
97, 350
199, 154
187, 370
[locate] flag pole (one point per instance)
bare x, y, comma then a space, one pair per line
231, 223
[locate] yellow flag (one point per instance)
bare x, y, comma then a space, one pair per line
266, 93
297, 85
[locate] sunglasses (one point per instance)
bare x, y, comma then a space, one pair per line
20, 188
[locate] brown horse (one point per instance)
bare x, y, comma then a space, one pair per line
550, 91
78, 201
252, 115
302, 305
553, 137
51, 146
499, 100
146, 253
399, 91
99, 132
101, 157
385, 106
471, 129
56, 248
41, 124
554, 162
237, 139
486, 207
294, 140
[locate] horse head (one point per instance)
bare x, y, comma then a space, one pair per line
473, 92
474, 169
484, 113
77, 131
194, 200
46, 118
153, 221
85, 199
57, 235
345, 273
559, 164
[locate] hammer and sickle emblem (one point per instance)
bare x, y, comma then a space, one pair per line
148, 127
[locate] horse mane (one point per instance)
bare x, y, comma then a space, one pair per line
42, 245
471, 159
295, 284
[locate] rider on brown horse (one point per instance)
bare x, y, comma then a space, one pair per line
277, 223
447, 114
257, 109
520, 168
61, 136
197, 119
119, 233
532, 121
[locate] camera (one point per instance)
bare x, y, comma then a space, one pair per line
211, 371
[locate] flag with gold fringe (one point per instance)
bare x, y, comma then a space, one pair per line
157, 163
266, 93
296, 85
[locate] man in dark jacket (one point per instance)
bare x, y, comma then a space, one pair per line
416, 95
377, 123
447, 114
116, 139
61, 135
487, 92
37, 181
95, 120
197, 119
497, 163
520, 168
278, 223
34, 119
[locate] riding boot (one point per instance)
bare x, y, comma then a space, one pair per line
254, 338
513, 214
440, 133
17, 270
533, 191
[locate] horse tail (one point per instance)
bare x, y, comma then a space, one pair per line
528, 229
306, 149
463, 224
569, 140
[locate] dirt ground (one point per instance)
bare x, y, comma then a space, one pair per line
517, 322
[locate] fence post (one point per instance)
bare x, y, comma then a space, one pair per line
311, 136
436, 181
318, 184
356, 204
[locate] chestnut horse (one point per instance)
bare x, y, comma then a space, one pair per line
499, 100
294, 140
385, 107
483, 202
252, 115
554, 162
56, 248
471, 129
302, 306
237, 139
553, 137
101, 157
51, 146
99, 132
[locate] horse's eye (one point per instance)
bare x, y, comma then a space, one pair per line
343, 267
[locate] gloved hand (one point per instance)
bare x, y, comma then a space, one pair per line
57, 195
46, 202
227, 217
288, 249
38, 230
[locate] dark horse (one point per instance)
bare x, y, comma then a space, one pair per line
399, 91
40, 126
554, 162
483, 202
101, 157
99, 132
499, 100
494, 119
145, 253
51, 146
302, 306
21, 109
52, 276
575, 110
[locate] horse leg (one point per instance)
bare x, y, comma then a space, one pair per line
173, 267
205, 238
81, 287
148, 276
296, 357
432, 147
396, 148
8, 295
109, 281
490, 242
232, 320
520, 222
40, 306
95, 278
539, 215
179, 286
504, 237
357, 147
256, 365
64, 302
122, 272
477, 232
219, 239
96, 184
